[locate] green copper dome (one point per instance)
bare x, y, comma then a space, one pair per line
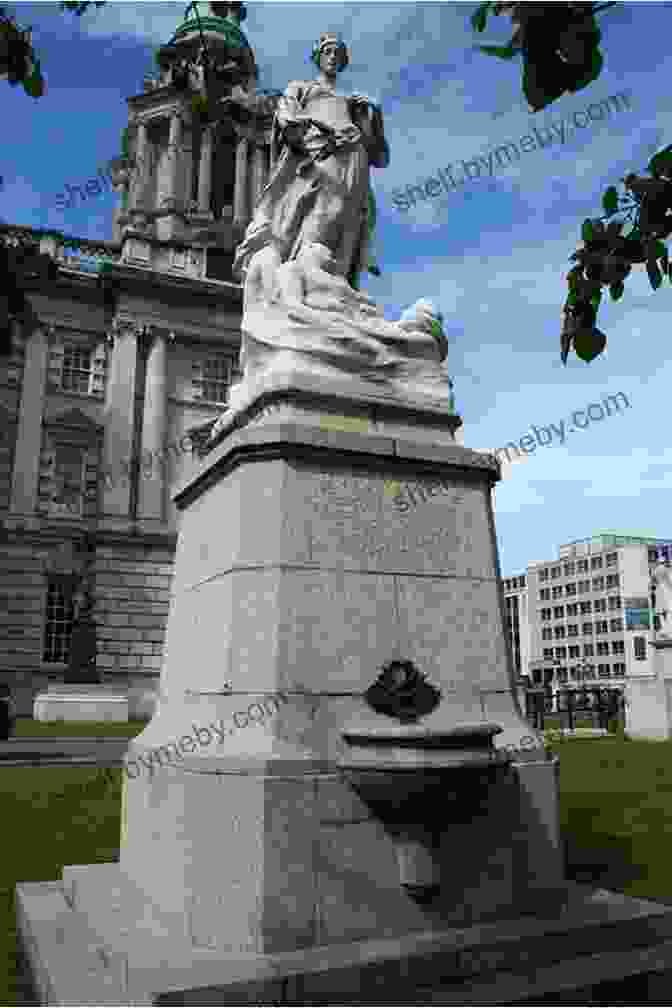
215, 18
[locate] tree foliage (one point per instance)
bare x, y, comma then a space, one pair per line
559, 42
638, 222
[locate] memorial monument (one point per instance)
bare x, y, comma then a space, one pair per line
393, 827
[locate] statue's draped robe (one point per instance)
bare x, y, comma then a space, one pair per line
319, 194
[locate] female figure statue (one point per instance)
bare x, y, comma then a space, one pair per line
322, 146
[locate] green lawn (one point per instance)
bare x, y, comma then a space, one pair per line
616, 813
27, 728
53, 816
616, 809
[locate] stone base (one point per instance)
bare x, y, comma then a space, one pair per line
290, 394
94, 940
648, 711
81, 703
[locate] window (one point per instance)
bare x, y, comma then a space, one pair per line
618, 647
588, 650
58, 626
70, 480
584, 586
586, 607
548, 654
640, 648
572, 609
543, 574
586, 628
561, 652
574, 651
614, 602
616, 625
612, 559
569, 569
601, 627
598, 583
558, 612
544, 594
547, 634
557, 592
562, 675
570, 589
600, 605
559, 632
76, 372
555, 572
545, 614
603, 649
212, 377
596, 563
603, 671
581, 566
573, 630
619, 668
77, 368
652, 555
613, 580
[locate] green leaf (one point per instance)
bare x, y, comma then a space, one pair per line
660, 161
610, 200
655, 276
480, 16
616, 290
587, 230
661, 249
591, 74
589, 344
33, 85
503, 52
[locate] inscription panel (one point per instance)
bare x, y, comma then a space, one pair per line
373, 523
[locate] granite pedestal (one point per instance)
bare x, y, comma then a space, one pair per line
271, 816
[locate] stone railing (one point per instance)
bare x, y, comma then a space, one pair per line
81, 253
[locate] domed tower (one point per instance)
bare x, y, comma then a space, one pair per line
196, 149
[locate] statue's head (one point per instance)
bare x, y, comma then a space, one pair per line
328, 50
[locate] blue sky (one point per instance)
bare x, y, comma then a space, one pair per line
492, 255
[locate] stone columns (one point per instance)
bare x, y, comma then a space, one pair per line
120, 423
174, 145
240, 212
205, 171
139, 179
29, 430
152, 486
258, 174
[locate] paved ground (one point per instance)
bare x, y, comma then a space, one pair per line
62, 751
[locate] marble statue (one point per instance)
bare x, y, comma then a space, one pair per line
306, 245
661, 575
322, 146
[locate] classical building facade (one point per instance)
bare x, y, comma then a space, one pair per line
136, 344
586, 615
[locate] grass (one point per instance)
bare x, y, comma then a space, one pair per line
615, 804
616, 813
53, 816
27, 728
